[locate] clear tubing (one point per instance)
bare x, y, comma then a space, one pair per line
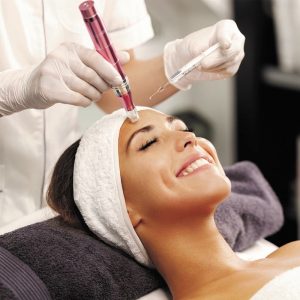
104, 47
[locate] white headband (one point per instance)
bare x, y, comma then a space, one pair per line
97, 186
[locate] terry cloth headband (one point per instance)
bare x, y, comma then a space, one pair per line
98, 191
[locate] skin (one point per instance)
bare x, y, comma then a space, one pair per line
173, 215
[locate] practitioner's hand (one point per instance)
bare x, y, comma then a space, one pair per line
222, 63
71, 74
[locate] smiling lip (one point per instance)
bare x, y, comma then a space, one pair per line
190, 161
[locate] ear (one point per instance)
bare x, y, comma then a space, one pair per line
134, 216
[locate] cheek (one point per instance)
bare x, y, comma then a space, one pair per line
147, 183
214, 190
152, 170
138, 181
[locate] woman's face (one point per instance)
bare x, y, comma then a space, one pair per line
166, 171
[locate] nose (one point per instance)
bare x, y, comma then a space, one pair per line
185, 140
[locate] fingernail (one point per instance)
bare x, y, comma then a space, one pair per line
117, 80
226, 44
124, 57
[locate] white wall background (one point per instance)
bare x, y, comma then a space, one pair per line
213, 100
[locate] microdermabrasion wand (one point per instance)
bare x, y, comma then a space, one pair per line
103, 46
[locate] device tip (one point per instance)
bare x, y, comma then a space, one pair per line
133, 115
159, 90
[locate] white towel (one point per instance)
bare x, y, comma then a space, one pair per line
285, 286
97, 186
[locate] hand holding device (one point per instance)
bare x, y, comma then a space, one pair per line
71, 74
221, 63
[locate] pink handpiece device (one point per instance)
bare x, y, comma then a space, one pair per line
103, 46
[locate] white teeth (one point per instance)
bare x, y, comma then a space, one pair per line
194, 165
189, 169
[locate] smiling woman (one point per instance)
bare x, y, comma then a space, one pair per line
163, 167
152, 188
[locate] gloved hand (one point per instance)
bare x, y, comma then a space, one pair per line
71, 74
222, 63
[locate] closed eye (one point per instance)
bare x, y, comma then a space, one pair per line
188, 130
151, 141
148, 143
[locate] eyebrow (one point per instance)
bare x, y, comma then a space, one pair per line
148, 128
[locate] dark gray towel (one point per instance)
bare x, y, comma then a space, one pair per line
75, 265
252, 211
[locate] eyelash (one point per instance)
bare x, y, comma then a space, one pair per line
148, 143
188, 130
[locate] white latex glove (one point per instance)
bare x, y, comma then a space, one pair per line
71, 74
222, 63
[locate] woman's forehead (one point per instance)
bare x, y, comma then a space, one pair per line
146, 116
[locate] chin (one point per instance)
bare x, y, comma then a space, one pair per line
228, 183
226, 186
220, 190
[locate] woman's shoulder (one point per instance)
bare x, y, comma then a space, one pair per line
247, 282
290, 251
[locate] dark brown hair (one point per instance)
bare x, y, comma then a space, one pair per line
60, 196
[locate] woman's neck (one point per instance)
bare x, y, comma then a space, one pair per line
191, 256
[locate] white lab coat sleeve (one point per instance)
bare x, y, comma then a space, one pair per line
128, 23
